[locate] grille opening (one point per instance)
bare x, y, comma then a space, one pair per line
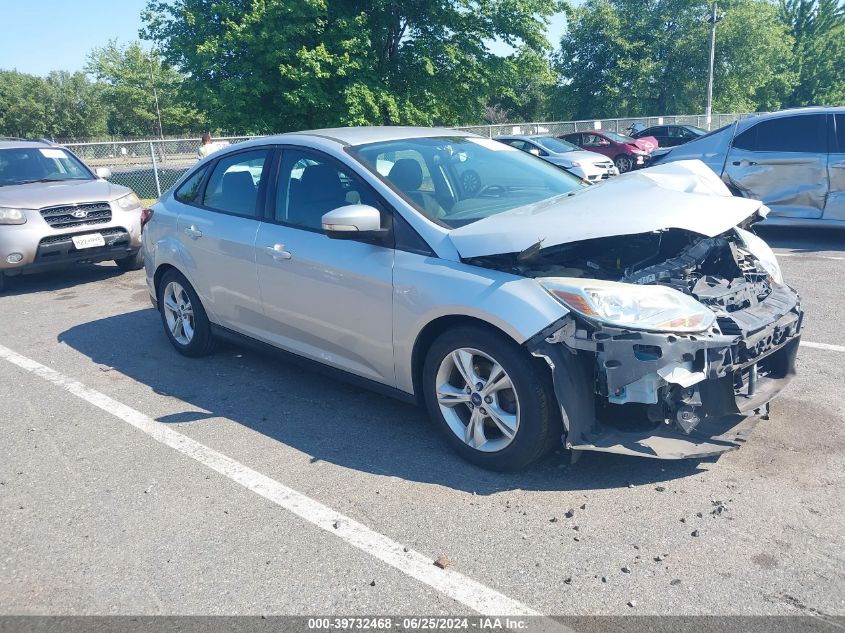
62, 217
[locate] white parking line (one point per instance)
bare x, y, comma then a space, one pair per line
460, 588
836, 257
827, 346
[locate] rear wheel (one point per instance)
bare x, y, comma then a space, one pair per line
623, 163
487, 395
135, 261
185, 321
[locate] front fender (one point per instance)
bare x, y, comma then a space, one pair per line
428, 288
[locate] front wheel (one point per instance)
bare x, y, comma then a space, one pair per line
488, 396
623, 163
185, 321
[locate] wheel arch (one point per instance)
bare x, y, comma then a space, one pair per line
433, 330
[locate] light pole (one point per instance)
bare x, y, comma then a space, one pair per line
155, 94
712, 19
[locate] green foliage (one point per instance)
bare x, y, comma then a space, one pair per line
633, 58
818, 31
280, 65
61, 105
130, 80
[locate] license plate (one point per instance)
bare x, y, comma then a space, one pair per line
88, 241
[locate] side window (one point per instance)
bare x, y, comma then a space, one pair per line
575, 139
234, 183
660, 131
187, 193
807, 133
840, 133
311, 185
517, 144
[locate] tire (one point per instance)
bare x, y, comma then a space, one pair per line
132, 262
183, 317
623, 163
527, 408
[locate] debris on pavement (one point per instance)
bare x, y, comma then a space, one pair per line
442, 562
632, 603
695, 533
626, 570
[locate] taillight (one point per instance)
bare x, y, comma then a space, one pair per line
146, 216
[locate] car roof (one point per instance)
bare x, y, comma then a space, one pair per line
21, 144
522, 137
369, 134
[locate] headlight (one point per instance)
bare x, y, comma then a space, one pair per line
654, 308
12, 216
638, 152
764, 254
128, 202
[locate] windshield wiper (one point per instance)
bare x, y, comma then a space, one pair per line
27, 182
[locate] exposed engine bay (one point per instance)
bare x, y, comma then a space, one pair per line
658, 394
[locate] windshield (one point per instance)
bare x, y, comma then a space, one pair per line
458, 180
555, 145
619, 138
22, 165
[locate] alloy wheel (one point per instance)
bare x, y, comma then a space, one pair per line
179, 313
624, 164
477, 399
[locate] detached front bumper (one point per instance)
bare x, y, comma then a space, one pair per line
672, 396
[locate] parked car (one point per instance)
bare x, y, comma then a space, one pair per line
625, 152
55, 211
588, 166
793, 160
671, 135
635, 317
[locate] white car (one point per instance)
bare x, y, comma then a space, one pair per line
590, 166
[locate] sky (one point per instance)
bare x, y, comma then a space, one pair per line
37, 36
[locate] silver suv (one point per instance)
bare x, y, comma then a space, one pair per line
523, 308
55, 211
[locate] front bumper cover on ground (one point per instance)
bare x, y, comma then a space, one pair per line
671, 396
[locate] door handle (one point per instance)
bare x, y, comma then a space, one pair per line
278, 252
737, 163
193, 232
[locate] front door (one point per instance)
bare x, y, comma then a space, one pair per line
325, 299
835, 207
783, 162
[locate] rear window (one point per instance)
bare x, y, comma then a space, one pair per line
805, 134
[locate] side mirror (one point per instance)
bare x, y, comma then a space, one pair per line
354, 222
103, 172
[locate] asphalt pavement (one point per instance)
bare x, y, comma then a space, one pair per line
136, 481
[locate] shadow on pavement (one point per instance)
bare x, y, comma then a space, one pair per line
328, 419
803, 240
59, 279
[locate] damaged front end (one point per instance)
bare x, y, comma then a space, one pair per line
668, 394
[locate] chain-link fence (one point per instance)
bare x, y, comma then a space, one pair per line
151, 167
147, 167
623, 126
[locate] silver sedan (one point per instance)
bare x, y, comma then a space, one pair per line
523, 308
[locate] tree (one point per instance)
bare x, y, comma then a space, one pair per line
132, 78
277, 65
61, 105
634, 58
818, 31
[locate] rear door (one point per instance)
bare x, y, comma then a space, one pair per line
218, 231
325, 299
835, 207
784, 163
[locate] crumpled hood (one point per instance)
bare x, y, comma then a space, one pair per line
37, 195
680, 195
646, 143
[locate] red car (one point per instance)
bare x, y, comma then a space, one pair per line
626, 152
